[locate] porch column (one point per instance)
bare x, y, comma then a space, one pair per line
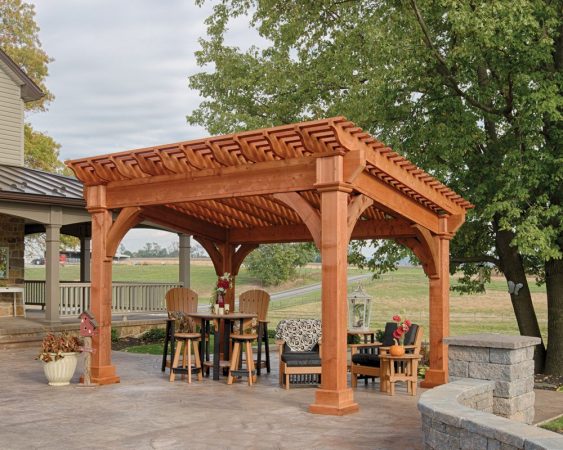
85, 248
439, 320
184, 259
52, 272
102, 370
334, 396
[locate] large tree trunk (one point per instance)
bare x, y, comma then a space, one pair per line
554, 284
513, 269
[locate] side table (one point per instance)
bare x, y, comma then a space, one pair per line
399, 368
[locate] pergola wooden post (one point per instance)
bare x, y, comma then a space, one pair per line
324, 181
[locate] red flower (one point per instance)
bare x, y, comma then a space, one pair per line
396, 334
397, 318
408, 323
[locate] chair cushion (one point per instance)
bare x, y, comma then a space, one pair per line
390, 327
184, 323
301, 335
301, 359
410, 335
366, 359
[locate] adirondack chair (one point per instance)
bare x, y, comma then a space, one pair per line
256, 301
178, 302
369, 364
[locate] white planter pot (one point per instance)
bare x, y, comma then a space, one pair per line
59, 373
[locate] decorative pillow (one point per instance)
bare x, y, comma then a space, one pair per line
184, 323
300, 335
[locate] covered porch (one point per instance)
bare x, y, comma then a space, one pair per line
324, 181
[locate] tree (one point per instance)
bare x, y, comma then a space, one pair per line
470, 91
19, 38
273, 264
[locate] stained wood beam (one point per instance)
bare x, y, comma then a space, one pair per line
408, 178
127, 219
211, 184
177, 221
390, 199
306, 212
364, 229
355, 209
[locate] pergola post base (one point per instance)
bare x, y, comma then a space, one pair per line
334, 403
104, 375
433, 378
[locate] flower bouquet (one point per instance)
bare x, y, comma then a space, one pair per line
224, 283
398, 336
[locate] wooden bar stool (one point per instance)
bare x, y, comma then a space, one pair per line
241, 341
186, 341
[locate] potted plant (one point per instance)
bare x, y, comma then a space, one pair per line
59, 354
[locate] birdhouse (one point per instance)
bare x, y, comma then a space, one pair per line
88, 324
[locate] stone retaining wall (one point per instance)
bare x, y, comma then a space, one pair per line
456, 416
507, 360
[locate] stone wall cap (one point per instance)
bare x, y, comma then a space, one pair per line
493, 340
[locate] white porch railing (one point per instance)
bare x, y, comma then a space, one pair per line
127, 297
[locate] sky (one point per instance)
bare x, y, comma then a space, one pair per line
120, 77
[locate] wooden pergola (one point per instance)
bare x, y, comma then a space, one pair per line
324, 181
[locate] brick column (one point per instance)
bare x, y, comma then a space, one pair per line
506, 360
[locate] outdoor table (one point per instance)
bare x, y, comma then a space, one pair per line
407, 370
227, 320
15, 290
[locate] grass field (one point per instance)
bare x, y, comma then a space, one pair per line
403, 292
203, 276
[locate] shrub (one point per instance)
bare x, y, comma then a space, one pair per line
154, 335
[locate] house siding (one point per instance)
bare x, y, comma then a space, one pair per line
11, 120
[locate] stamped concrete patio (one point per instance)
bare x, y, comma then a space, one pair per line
145, 411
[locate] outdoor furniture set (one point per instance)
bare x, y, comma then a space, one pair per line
184, 321
298, 341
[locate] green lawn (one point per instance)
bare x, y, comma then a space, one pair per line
555, 425
402, 292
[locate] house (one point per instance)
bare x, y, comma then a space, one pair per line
31, 201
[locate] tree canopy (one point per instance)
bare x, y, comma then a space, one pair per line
273, 264
470, 91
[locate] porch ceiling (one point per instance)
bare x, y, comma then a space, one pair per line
212, 186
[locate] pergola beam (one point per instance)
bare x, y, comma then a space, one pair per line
389, 199
240, 181
364, 229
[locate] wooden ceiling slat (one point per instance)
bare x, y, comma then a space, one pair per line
233, 213
273, 206
255, 211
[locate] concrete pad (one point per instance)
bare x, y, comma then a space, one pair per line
147, 411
